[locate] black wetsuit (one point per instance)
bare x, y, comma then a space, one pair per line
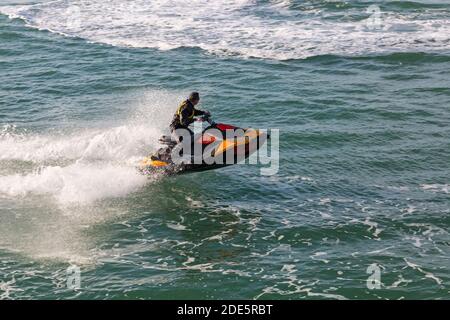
184, 117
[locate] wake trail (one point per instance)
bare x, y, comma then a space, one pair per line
82, 166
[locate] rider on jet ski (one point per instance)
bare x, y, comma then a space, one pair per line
213, 145
185, 114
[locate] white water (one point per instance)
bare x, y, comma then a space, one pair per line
75, 183
238, 27
117, 143
86, 165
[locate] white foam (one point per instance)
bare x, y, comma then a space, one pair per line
373, 227
80, 183
445, 188
428, 275
96, 163
113, 143
237, 27
88, 165
6, 288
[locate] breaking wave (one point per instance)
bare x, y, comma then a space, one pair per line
272, 29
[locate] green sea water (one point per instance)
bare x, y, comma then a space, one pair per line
359, 90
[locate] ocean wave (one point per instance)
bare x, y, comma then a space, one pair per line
272, 30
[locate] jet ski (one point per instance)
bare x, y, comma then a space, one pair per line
219, 145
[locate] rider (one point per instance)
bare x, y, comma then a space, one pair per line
185, 114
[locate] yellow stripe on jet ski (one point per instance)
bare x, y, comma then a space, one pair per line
147, 162
156, 163
249, 135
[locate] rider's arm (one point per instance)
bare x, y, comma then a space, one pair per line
198, 112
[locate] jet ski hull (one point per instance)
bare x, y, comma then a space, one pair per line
225, 152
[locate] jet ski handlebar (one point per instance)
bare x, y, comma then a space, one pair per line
207, 118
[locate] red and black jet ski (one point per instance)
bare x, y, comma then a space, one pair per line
218, 145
